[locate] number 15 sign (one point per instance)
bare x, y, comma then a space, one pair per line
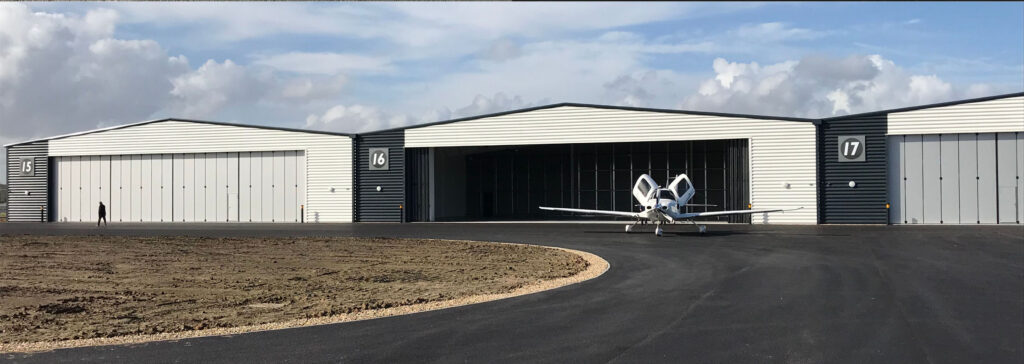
851, 148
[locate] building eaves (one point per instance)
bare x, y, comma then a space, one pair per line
100, 130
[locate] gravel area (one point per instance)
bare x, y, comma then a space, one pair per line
74, 291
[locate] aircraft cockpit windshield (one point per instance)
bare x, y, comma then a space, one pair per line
666, 194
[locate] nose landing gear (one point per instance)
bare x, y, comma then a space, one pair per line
700, 228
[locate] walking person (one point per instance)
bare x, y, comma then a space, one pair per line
103, 215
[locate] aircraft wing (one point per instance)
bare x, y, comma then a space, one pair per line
595, 212
733, 212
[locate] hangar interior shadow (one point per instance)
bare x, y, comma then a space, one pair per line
508, 183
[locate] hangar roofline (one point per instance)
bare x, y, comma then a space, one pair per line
920, 107
550, 106
595, 106
109, 128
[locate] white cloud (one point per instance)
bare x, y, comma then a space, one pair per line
325, 63
819, 87
362, 118
355, 118
63, 73
775, 32
502, 49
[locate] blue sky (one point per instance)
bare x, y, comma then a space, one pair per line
67, 67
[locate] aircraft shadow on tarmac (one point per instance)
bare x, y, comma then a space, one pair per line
711, 233
673, 233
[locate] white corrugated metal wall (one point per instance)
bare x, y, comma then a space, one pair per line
327, 174
992, 116
782, 153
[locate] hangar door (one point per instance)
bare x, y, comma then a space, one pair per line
956, 178
191, 187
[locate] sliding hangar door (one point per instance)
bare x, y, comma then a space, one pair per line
961, 164
193, 171
187, 187
957, 178
503, 166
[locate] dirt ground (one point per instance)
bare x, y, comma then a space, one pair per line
65, 288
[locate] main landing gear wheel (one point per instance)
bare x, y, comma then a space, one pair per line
702, 229
658, 231
629, 228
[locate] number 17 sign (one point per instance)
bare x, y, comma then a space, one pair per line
851, 148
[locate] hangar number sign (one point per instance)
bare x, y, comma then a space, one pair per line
27, 167
851, 148
378, 159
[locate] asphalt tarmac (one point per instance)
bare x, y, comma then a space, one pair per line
741, 293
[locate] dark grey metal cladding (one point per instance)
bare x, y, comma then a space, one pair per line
22, 206
380, 206
838, 203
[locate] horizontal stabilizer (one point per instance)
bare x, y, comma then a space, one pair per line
734, 212
593, 212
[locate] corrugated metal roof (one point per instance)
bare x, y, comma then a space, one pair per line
62, 136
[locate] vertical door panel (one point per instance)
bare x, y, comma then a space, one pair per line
157, 187
244, 187
256, 179
146, 181
167, 188
89, 195
232, 188
987, 200
211, 188
290, 208
300, 179
1020, 177
155, 190
76, 185
88, 208
136, 188
1006, 177
914, 183
81, 188
200, 181
84, 188
63, 206
178, 190
221, 196
114, 207
105, 189
267, 196
931, 185
968, 159
279, 187
96, 194
189, 195
950, 194
126, 189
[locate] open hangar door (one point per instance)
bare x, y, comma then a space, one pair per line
188, 187
968, 178
510, 182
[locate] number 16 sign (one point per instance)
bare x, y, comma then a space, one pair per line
378, 159
851, 148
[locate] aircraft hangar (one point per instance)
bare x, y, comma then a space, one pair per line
951, 163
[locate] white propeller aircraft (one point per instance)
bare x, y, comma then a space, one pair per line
663, 205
